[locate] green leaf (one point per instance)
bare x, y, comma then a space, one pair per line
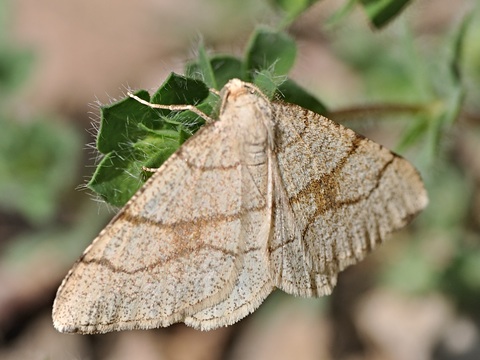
117, 177
268, 83
14, 67
458, 45
133, 135
270, 50
381, 12
205, 68
119, 122
208, 71
224, 67
291, 92
161, 154
454, 95
444, 120
180, 90
37, 162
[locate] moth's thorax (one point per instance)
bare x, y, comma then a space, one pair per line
249, 112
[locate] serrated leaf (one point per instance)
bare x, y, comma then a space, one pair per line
133, 135
380, 12
189, 121
119, 122
180, 90
117, 177
270, 50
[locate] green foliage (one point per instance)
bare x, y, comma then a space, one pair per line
380, 12
133, 135
35, 165
38, 157
444, 254
431, 92
461, 279
292, 8
445, 102
15, 63
399, 75
14, 68
35, 153
270, 50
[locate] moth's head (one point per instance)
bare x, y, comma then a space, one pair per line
245, 106
235, 88
237, 93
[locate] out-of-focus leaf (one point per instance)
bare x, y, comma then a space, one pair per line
341, 13
14, 68
380, 12
414, 273
454, 93
292, 8
37, 162
462, 279
416, 130
458, 45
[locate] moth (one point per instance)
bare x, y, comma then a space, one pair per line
269, 196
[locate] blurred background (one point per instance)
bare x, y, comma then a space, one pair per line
416, 297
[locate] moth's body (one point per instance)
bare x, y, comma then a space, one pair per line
270, 195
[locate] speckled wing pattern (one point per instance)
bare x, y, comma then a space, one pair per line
337, 195
191, 245
270, 195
